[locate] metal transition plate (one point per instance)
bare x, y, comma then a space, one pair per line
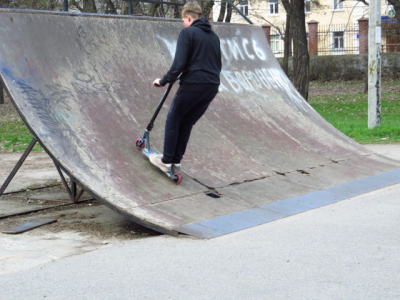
82, 84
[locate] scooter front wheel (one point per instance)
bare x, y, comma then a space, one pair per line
140, 144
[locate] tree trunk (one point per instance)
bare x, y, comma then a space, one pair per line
161, 11
124, 8
222, 11
76, 4
110, 8
207, 8
89, 6
177, 14
286, 50
301, 59
52, 5
153, 9
229, 14
136, 9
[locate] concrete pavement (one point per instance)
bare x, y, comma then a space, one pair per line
347, 250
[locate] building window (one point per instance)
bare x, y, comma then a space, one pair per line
307, 6
275, 43
338, 4
244, 7
273, 7
338, 41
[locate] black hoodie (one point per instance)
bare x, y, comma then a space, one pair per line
197, 57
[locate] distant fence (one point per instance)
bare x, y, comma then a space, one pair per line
390, 38
348, 67
338, 39
342, 39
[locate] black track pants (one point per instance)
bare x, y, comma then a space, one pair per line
186, 109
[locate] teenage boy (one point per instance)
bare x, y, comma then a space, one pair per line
198, 60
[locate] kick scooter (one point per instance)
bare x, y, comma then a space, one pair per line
143, 144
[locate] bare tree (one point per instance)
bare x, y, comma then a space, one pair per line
89, 6
301, 59
222, 11
229, 13
153, 9
283, 29
226, 10
31, 4
206, 7
287, 45
177, 12
110, 7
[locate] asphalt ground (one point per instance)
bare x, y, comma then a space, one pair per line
346, 250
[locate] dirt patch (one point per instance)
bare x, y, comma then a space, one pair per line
89, 217
38, 170
350, 87
82, 227
7, 109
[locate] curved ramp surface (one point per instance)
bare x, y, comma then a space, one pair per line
82, 83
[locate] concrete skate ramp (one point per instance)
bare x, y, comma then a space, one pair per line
82, 83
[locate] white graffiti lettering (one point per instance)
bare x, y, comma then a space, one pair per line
258, 80
235, 49
171, 46
245, 44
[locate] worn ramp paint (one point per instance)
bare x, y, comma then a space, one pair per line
82, 83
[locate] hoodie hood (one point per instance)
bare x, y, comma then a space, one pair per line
202, 23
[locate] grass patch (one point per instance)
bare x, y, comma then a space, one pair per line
15, 136
349, 114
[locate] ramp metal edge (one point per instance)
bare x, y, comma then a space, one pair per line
226, 224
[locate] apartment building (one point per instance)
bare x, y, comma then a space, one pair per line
337, 23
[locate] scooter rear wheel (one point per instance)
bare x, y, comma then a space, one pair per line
178, 178
140, 144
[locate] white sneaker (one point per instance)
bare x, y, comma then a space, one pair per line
176, 167
156, 159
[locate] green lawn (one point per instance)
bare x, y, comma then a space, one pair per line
14, 135
349, 114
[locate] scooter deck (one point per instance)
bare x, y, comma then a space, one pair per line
146, 151
175, 177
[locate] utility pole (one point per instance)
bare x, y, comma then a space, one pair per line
374, 64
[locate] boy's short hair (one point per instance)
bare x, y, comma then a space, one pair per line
193, 9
